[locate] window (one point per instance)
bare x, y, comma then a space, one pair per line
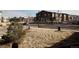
44, 14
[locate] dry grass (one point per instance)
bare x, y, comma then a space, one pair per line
40, 37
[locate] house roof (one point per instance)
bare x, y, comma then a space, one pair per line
51, 12
44, 11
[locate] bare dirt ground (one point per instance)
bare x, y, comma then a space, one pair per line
3, 30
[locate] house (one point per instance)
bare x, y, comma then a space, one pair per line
44, 17
75, 19
50, 17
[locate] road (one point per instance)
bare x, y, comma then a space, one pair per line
74, 28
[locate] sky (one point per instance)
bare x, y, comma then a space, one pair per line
18, 13
25, 13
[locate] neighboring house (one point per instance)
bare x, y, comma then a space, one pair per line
75, 19
50, 17
44, 17
28, 19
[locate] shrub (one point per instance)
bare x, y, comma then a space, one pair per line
5, 39
15, 31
